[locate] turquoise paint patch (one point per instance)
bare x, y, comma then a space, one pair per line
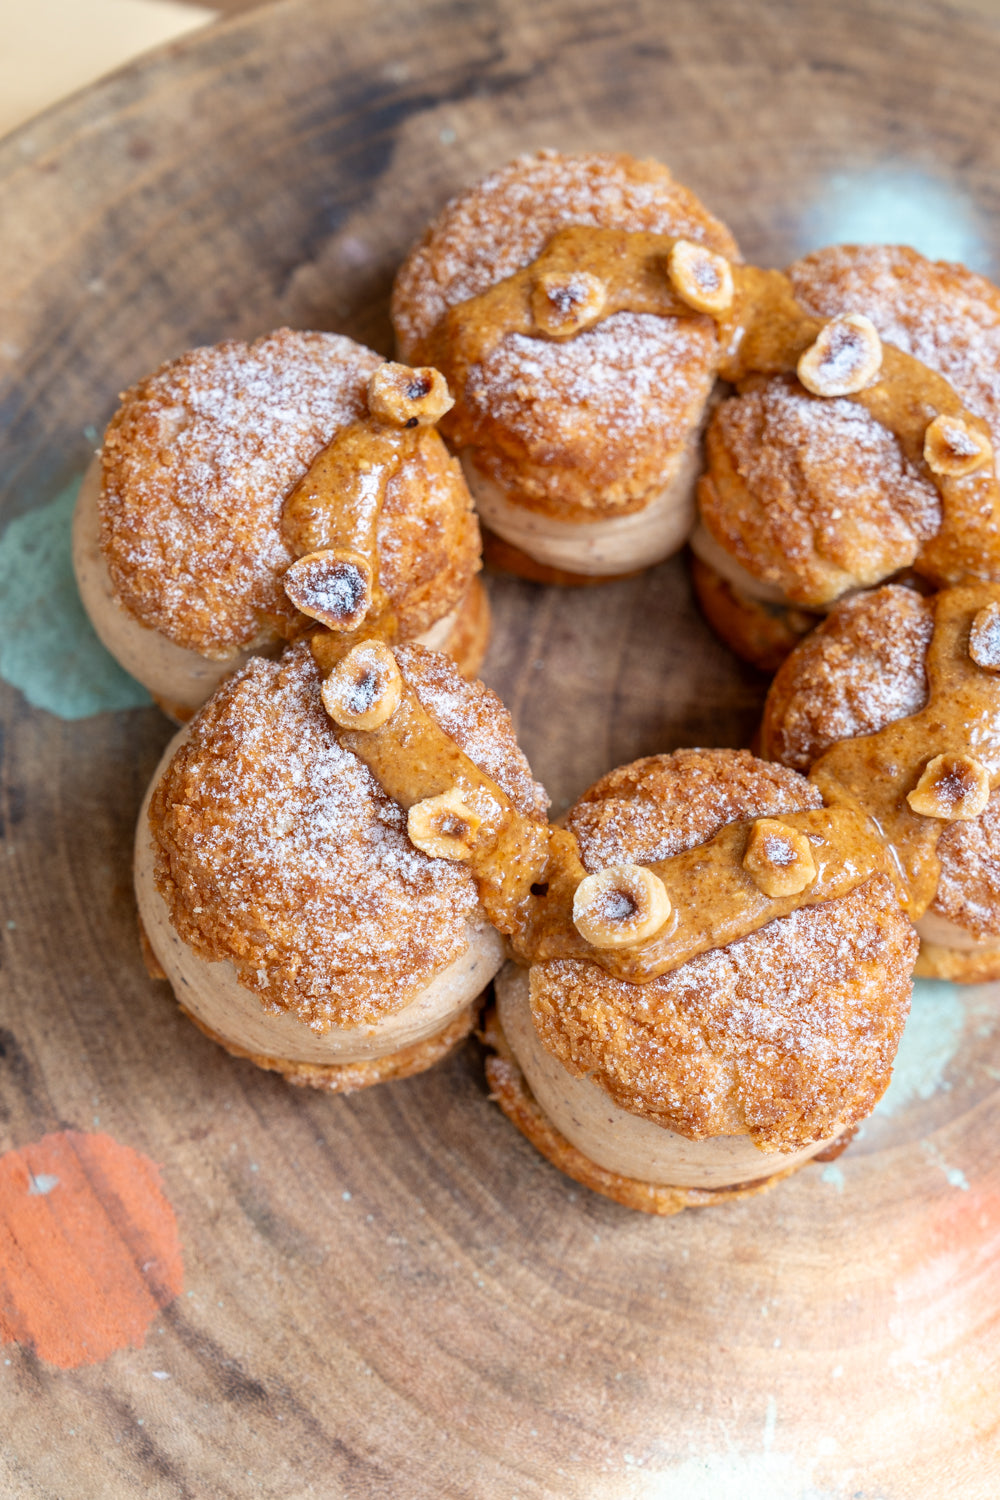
833, 1175
48, 648
931, 1039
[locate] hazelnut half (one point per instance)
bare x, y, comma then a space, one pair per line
405, 397
955, 788
779, 859
846, 356
621, 905
364, 689
563, 302
951, 447
332, 587
444, 827
701, 278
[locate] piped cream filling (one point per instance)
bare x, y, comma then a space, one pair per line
621, 544
212, 992
612, 1137
704, 545
179, 678
943, 933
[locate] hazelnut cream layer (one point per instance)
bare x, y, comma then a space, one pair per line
619, 544
212, 993
614, 1138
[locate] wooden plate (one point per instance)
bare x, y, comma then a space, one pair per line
392, 1294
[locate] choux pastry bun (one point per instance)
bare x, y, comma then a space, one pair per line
812, 491
578, 405
184, 545
277, 887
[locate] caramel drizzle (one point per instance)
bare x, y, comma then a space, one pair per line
527, 873
330, 519
762, 331
876, 772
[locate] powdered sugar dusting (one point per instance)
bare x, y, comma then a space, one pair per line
944, 315
197, 464
616, 403
659, 806
968, 890
824, 498
862, 669
502, 223
277, 849
788, 1034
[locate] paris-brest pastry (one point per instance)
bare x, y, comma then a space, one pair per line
809, 493
198, 524
898, 696
710, 960
711, 968
578, 412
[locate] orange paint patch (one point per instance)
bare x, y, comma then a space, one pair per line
88, 1248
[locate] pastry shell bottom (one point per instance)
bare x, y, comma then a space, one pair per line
509, 1088
963, 966
348, 1078
759, 632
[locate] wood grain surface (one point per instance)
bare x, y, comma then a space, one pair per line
392, 1295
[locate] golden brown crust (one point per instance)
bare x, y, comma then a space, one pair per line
501, 223
761, 634
348, 1078
811, 496
968, 891
277, 850
860, 669
658, 806
587, 427
509, 1088
469, 636
945, 315
198, 461
788, 1034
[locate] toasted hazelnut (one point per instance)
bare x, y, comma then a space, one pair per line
563, 302
778, 859
984, 638
955, 788
404, 397
951, 447
701, 278
444, 827
845, 358
334, 588
364, 689
621, 905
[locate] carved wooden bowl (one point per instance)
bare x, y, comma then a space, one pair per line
392, 1294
